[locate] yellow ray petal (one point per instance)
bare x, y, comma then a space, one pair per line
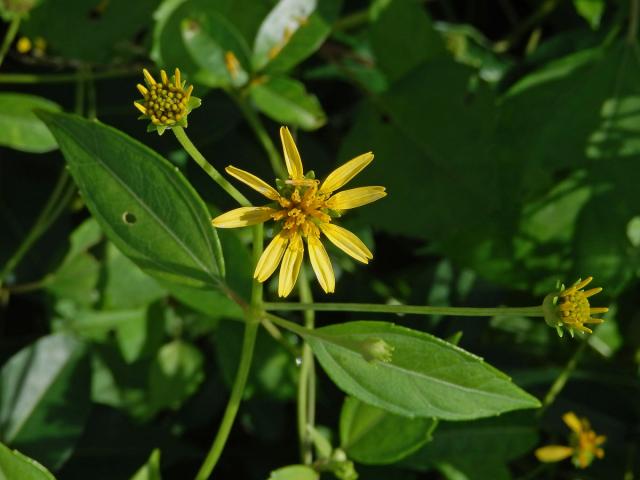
321, 264
254, 182
163, 76
148, 77
177, 79
341, 175
142, 89
270, 258
583, 283
594, 310
553, 453
591, 292
290, 267
600, 439
140, 107
355, 197
572, 421
291, 155
242, 217
347, 242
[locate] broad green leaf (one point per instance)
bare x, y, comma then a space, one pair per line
16, 466
101, 30
144, 205
77, 276
286, 100
151, 469
426, 376
374, 436
49, 378
590, 10
143, 335
95, 324
294, 472
175, 375
403, 37
218, 49
292, 31
490, 441
168, 49
20, 128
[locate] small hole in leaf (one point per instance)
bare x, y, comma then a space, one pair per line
129, 218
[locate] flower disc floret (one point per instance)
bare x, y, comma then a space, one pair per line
166, 103
304, 209
569, 308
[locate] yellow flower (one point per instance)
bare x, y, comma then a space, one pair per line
303, 208
570, 308
583, 441
166, 103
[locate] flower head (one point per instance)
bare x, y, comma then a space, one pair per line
584, 444
570, 308
304, 209
166, 103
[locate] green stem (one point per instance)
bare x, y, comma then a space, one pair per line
405, 309
307, 381
634, 13
263, 137
246, 355
66, 77
291, 326
8, 38
62, 192
562, 379
209, 169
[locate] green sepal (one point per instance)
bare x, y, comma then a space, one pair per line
310, 175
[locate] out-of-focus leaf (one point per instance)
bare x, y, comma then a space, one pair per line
493, 440
77, 276
20, 128
151, 469
294, 472
102, 31
142, 335
403, 37
175, 375
590, 10
426, 376
125, 285
374, 436
14, 465
286, 101
218, 49
95, 324
44, 400
143, 204
292, 31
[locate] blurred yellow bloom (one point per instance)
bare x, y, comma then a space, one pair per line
166, 103
583, 441
570, 308
304, 208
23, 45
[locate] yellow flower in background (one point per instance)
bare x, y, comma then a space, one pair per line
166, 103
583, 441
570, 308
304, 209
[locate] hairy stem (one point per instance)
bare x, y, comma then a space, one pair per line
307, 380
20, 78
209, 169
405, 309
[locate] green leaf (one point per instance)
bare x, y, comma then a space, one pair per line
403, 37
213, 42
175, 375
151, 469
20, 128
491, 441
294, 472
101, 30
590, 10
292, 31
16, 466
77, 276
48, 379
144, 205
286, 100
374, 436
426, 376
